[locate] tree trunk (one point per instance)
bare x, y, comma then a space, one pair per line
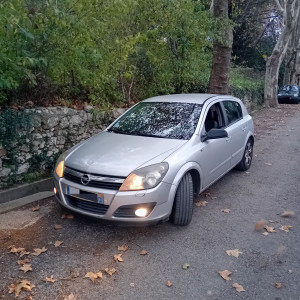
220, 72
292, 56
290, 12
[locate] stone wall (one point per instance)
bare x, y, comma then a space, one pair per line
32, 139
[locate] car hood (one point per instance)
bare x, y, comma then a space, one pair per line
109, 153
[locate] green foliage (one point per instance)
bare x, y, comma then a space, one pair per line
107, 51
247, 83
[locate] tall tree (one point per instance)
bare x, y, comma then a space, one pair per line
290, 12
220, 72
292, 60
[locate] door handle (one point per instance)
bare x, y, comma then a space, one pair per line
228, 139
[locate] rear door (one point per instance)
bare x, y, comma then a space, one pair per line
236, 126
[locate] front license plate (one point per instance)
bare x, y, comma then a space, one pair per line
84, 195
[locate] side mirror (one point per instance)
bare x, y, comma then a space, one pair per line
213, 134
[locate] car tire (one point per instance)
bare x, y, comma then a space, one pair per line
246, 161
184, 202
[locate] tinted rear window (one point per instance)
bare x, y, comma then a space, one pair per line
160, 119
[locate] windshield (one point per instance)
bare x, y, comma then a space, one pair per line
160, 119
288, 90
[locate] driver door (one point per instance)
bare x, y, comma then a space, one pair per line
214, 155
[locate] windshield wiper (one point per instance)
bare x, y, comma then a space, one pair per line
149, 135
118, 131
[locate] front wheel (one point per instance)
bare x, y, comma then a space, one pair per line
246, 161
184, 202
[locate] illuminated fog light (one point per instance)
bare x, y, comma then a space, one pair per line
55, 190
141, 212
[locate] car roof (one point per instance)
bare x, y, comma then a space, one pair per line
185, 98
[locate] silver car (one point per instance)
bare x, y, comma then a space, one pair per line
148, 165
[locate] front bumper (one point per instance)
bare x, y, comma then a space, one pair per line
118, 206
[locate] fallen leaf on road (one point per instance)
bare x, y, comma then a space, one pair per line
270, 228
110, 271
234, 252
50, 279
225, 210
26, 268
286, 228
58, 243
93, 276
207, 194
118, 257
287, 214
131, 284
225, 274
24, 252
67, 216
201, 203
123, 248
36, 208
143, 252
70, 297
238, 287
13, 249
268, 164
57, 226
169, 283
259, 226
278, 285
38, 251
23, 285
24, 261
265, 233
185, 266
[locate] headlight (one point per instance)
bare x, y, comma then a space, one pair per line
145, 178
60, 165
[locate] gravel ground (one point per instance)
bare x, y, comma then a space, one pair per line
269, 188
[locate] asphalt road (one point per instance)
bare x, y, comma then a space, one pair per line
271, 187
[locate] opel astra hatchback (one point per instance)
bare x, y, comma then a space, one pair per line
148, 165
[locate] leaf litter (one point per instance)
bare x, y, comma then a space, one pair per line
93, 276
38, 251
118, 257
225, 274
239, 288
287, 214
285, 228
123, 248
234, 252
25, 268
23, 285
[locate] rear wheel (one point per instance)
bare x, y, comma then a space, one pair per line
246, 161
183, 203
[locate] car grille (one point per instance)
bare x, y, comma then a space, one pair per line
97, 181
96, 208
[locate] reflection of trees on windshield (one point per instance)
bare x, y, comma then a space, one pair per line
160, 119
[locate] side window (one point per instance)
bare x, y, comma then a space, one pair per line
233, 111
214, 118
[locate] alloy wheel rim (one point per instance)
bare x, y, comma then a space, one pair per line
248, 154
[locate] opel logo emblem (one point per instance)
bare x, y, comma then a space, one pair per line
85, 179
